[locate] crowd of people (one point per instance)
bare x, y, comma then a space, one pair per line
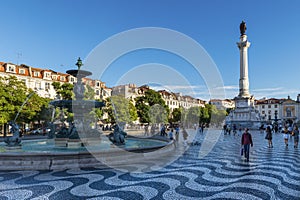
289, 132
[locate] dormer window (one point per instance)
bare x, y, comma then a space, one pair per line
54, 77
72, 79
36, 74
21, 71
62, 78
11, 68
47, 75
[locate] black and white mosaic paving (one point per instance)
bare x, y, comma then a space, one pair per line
272, 173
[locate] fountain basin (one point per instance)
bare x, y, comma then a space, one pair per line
42, 154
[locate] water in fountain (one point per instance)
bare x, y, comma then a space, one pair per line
14, 141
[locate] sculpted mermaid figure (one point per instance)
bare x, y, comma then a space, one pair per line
15, 139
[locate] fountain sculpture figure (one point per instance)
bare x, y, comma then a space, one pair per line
15, 140
80, 107
117, 136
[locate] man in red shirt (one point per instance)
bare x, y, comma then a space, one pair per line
246, 142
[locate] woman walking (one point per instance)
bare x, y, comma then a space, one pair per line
269, 137
286, 136
296, 136
246, 142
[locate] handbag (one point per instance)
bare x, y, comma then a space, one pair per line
242, 151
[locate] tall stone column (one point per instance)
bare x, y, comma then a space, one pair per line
244, 115
243, 45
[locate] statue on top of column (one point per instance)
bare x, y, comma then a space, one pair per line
243, 28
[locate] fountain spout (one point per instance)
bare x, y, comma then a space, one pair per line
28, 97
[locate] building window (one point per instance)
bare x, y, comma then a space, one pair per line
47, 86
275, 106
11, 68
263, 112
21, 71
72, 79
269, 106
47, 75
62, 78
269, 112
38, 85
36, 74
54, 77
288, 112
263, 106
98, 84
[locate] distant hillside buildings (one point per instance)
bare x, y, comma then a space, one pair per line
40, 80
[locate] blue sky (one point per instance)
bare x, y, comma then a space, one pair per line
53, 34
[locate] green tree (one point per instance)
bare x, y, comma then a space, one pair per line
211, 115
99, 113
64, 90
204, 115
142, 109
36, 109
144, 106
89, 93
132, 111
157, 114
176, 115
19, 103
228, 110
120, 109
192, 116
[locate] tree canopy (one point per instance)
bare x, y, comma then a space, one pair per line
13, 94
152, 108
120, 109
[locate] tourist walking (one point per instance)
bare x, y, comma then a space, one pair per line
225, 129
185, 136
177, 133
269, 137
171, 135
163, 130
246, 142
296, 136
146, 127
240, 131
286, 136
234, 129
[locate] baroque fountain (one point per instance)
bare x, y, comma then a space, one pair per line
78, 144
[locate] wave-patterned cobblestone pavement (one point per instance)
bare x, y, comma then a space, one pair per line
272, 173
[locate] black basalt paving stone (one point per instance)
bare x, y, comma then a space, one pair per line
101, 185
65, 195
39, 190
125, 195
160, 187
257, 193
223, 162
9, 176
